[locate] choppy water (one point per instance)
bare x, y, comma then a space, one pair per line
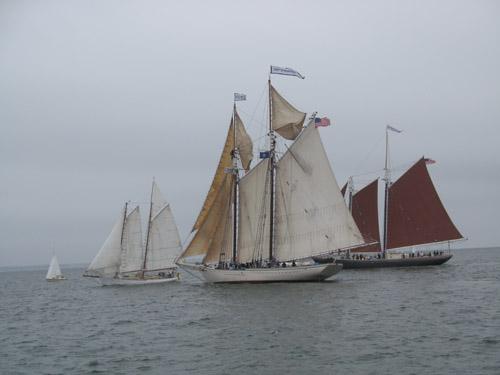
431, 320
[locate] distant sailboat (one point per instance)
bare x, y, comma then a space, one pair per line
54, 273
125, 260
413, 215
266, 225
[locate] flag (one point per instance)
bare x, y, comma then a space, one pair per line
324, 121
429, 161
389, 127
286, 71
239, 97
264, 154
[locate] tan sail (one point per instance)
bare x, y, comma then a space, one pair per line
311, 215
243, 142
287, 121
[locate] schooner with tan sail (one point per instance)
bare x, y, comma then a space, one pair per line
266, 225
124, 259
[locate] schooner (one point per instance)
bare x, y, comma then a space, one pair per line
266, 225
125, 260
413, 215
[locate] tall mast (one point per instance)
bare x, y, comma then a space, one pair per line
387, 179
350, 184
149, 229
123, 224
235, 188
272, 139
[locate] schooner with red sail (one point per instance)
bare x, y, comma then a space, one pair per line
413, 216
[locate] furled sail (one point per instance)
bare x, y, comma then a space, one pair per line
243, 142
311, 215
365, 214
416, 214
253, 233
107, 260
132, 256
287, 121
54, 269
164, 243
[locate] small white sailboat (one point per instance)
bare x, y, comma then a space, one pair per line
267, 225
54, 273
125, 260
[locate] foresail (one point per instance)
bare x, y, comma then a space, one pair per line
253, 233
365, 214
132, 256
164, 241
287, 121
205, 240
219, 179
311, 215
107, 260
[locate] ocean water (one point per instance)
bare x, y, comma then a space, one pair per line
430, 320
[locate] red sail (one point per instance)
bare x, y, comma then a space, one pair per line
416, 214
365, 214
343, 190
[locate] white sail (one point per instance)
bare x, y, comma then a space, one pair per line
311, 215
164, 243
107, 261
157, 200
286, 119
253, 238
243, 142
132, 256
54, 271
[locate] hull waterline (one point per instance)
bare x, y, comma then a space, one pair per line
317, 272
434, 260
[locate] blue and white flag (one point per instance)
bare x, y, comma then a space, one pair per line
239, 97
285, 71
264, 154
389, 127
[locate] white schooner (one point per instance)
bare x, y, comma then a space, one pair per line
267, 225
125, 260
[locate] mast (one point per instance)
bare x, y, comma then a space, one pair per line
387, 180
149, 230
351, 191
123, 225
235, 187
272, 139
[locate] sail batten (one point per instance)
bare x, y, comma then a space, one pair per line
416, 215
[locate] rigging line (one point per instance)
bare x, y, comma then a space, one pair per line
367, 156
258, 103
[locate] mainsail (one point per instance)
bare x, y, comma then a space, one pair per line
365, 213
54, 269
416, 215
107, 261
132, 255
164, 243
311, 215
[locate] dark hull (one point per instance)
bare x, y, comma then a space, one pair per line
383, 263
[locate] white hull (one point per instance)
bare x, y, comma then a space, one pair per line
105, 281
316, 272
57, 278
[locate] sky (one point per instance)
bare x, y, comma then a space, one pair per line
97, 97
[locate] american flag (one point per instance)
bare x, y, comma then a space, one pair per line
324, 121
429, 161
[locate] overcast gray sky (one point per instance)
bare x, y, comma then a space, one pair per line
98, 96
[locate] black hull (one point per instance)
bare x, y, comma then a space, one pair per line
434, 260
